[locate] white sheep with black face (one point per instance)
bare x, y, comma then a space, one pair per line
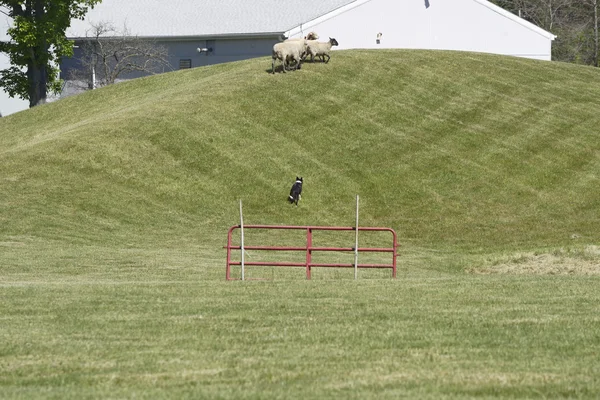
320, 49
288, 52
309, 36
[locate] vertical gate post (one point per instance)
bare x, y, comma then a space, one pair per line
394, 253
356, 243
242, 239
228, 270
308, 251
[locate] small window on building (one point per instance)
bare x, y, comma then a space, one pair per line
185, 63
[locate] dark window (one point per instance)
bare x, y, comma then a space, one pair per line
185, 63
211, 45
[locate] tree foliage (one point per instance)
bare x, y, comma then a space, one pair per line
37, 41
574, 22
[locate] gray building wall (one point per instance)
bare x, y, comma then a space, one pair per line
184, 52
223, 50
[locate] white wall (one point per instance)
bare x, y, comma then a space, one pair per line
465, 25
8, 105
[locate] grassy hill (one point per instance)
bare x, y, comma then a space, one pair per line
450, 149
114, 207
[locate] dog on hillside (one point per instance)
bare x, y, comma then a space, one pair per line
296, 192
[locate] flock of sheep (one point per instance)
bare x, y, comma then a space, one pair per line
292, 52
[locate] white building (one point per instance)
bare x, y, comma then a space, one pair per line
240, 29
467, 25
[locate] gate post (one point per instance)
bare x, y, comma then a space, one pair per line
394, 253
228, 270
308, 251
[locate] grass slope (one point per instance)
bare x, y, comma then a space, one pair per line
450, 149
114, 207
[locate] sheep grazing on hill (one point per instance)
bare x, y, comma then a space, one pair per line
309, 36
288, 52
320, 49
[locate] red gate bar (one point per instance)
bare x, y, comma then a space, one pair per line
308, 264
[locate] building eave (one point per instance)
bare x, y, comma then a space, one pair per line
224, 36
300, 29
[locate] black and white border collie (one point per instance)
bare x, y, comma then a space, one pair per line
296, 192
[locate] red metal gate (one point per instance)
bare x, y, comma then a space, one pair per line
309, 249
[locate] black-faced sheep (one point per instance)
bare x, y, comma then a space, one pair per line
309, 36
288, 52
320, 49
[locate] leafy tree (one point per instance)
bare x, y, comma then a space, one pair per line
575, 22
38, 40
594, 12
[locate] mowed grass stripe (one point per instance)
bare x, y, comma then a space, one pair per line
449, 337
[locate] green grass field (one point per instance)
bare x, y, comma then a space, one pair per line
115, 206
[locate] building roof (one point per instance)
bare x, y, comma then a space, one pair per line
193, 18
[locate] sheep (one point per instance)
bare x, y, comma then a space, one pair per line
286, 52
309, 36
320, 49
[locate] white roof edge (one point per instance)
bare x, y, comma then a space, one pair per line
516, 18
304, 26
